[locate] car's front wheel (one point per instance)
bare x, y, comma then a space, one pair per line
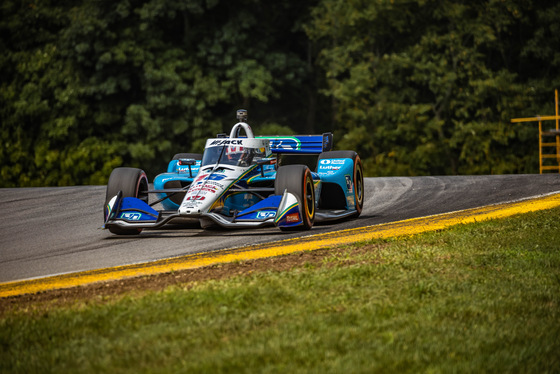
297, 180
133, 183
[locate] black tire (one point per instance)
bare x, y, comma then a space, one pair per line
133, 183
338, 199
359, 186
297, 180
196, 156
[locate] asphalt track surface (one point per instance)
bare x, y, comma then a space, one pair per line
50, 231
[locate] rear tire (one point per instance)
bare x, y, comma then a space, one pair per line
297, 180
133, 183
338, 199
359, 186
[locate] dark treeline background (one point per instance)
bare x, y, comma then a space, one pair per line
417, 87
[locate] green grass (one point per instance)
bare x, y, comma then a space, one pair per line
476, 298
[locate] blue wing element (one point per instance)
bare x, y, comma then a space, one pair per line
264, 209
300, 144
132, 210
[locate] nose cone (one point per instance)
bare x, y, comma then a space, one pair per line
204, 191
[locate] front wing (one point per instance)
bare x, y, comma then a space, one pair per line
276, 210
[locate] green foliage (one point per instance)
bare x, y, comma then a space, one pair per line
442, 84
416, 87
132, 83
275, 129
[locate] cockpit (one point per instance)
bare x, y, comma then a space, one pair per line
236, 155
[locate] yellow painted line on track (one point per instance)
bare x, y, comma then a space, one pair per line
389, 230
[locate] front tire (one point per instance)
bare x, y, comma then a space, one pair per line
133, 183
297, 180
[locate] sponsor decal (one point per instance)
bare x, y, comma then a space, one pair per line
294, 217
209, 177
329, 167
200, 177
266, 214
214, 184
191, 204
200, 198
349, 183
332, 162
226, 142
131, 216
285, 143
200, 190
216, 177
185, 169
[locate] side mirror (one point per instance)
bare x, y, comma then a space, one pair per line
187, 161
265, 161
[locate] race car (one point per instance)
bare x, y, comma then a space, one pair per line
241, 181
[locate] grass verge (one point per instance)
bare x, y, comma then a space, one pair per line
482, 297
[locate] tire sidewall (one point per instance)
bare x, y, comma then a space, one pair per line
132, 182
358, 184
297, 180
308, 217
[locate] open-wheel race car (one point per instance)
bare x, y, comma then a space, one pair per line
241, 182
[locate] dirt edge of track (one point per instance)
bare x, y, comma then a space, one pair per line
108, 291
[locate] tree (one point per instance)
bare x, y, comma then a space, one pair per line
133, 82
415, 86
426, 87
40, 107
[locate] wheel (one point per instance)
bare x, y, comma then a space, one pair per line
196, 156
331, 196
298, 181
358, 185
133, 183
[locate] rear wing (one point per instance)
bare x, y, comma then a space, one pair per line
300, 144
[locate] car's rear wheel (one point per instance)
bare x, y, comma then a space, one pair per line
133, 183
297, 180
334, 198
359, 185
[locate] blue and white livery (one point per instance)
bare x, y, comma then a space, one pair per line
242, 181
